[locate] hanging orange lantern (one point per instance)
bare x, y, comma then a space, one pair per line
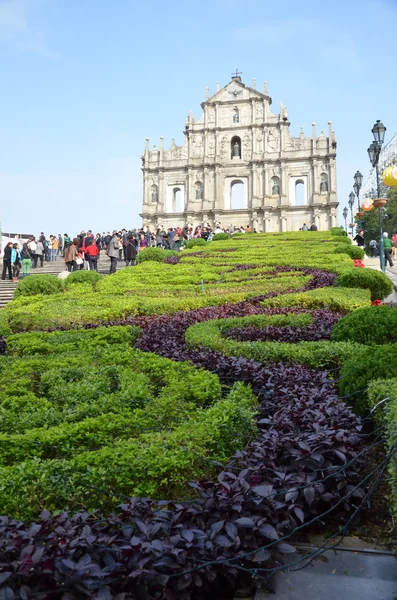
367, 204
389, 176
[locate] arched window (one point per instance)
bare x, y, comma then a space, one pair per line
177, 200
237, 195
199, 190
154, 194
324, 182
300, 193
235, 147
275, 186
236, 116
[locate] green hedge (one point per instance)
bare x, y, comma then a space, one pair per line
209, 334
373, 325
366, 365
155, 254
39, 284
220, 236
28, 344
385, 392
377, 282
196, 242
338, 231
82, 409
158, 464
82, 276
332, 298
353, 251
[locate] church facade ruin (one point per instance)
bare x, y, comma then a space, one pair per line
240, 165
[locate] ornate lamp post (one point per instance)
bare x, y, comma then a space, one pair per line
378, 131
358, 181
351, 204
345, 213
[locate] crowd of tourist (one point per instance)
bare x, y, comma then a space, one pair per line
83, 251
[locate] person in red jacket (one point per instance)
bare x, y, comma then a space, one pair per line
92, 250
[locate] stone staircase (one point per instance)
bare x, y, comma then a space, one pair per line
7, 289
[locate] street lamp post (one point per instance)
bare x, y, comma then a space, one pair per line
378, 131
358, 181
345, 213
351, 204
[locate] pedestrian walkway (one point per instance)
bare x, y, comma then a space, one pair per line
391, 272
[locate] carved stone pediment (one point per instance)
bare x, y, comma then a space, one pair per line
235, 90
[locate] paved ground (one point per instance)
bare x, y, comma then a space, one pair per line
340, 575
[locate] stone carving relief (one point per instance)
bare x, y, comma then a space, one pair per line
198, 148
322, 142
259, 112
247, 147
224, 147
211, 145
296, 144
211, 115
184, 152
273, 141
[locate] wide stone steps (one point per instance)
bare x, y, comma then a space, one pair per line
7, 289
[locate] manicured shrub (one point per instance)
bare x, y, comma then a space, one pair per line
196, 242
366, 364
39, 284
332, 298
338, 231
155, 254
220, 236
377, 282
82, 276
353, 251
57, 342
382, 397
373, 325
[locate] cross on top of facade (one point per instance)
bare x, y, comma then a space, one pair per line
237, 73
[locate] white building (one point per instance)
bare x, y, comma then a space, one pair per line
240, 165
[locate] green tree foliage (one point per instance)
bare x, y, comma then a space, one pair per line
370, 221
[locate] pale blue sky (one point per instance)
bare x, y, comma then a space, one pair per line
83, 82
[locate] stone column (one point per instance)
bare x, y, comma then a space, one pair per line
332, 180
315, 194
283, 219
284, 184
162, 192
266, 193
188, 198
189, 145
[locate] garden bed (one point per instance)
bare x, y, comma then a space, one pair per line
200, 394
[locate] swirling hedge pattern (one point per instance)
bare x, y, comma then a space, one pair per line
302, 461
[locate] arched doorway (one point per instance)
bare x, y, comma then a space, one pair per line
237, 195
300, 199
177, 200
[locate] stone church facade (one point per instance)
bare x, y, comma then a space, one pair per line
240, 145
